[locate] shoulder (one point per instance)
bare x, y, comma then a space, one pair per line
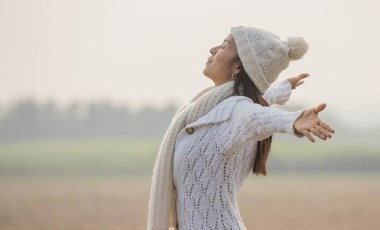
246, 109
243, 103
232, 104
235, 100
222, 111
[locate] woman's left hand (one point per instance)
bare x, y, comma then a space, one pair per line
309, 122
298, 80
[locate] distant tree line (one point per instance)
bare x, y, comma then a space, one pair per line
29, 120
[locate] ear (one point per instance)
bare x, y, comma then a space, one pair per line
236, 67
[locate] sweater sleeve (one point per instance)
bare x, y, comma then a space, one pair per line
257, 122
278, 93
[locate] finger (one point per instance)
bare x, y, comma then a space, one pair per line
308, 135
319, 108
302, 76
326, 126
324, 132
299, 83
316, 132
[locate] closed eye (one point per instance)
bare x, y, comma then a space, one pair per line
223, 47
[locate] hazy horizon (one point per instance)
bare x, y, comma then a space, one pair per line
141, 53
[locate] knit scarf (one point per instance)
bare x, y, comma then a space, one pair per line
162, 203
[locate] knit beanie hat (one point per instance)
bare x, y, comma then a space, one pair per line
264, 55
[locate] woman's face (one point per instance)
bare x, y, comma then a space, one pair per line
223, 62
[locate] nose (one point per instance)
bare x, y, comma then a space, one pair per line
213, 50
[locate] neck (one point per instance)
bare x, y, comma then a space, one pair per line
221, 83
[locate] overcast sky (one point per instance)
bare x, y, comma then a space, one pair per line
139, 52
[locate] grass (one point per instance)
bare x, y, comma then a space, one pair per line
303, 149
78, 156
136, 156
104, 184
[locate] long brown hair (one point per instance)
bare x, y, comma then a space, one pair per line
250, 90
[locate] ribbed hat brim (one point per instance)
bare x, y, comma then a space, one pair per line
246, 53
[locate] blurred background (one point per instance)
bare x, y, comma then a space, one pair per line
88, 88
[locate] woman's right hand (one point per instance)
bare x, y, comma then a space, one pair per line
309, 123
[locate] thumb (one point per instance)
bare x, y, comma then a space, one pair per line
319, 108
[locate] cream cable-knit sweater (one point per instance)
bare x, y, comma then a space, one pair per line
212, 161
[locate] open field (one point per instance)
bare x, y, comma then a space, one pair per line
135, 157
104, 184
285, 203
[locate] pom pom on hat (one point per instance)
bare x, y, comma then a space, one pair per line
298, 47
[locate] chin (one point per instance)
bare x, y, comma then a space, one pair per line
205, 72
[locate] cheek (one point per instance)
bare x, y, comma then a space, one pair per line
222, 61
222, 58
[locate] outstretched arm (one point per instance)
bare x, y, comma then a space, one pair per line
258, 122
280, 93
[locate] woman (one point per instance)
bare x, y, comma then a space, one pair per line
225, 131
